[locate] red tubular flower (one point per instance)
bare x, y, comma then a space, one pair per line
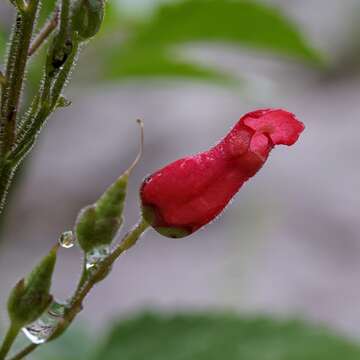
188, 193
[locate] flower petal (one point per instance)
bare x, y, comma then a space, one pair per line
282, 126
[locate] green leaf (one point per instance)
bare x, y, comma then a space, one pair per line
245, 23
216, 337
149, 50
147, 63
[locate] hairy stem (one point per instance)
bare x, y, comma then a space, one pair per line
2, 80
44, 104
48, 100
6, 175
87, 283
12, 85
15, 73
44, 33
128, 241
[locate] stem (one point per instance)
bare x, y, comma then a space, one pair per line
2, 79
44, 33
64, 20
6, 175
26, 351
63, 76
29, 130
32, 126
102, 270
84, 276
9, 339
15, 73
128, 241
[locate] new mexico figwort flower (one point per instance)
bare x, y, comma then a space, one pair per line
185, 195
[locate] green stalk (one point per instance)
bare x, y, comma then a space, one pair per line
76, 304
9, 339
49, 98
26, 351
15, 73
6, 176
87, 283
44, 34
12, 89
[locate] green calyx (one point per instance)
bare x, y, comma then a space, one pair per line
31, 296
99, 223
174, 232
88, 15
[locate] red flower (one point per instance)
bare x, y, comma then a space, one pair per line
188, 193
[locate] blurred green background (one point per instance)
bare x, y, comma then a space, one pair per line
288, 246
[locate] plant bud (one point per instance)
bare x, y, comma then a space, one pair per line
30, 297
98, 224
88, 15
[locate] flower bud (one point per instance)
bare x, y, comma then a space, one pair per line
30, 297
88, 15
85, 228
187, 194
98, 224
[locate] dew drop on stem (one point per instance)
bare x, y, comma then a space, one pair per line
40, 330
96, 255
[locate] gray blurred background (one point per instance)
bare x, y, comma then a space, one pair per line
288, 244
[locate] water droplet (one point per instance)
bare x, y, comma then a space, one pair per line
67, 239
95, 256
40, 330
